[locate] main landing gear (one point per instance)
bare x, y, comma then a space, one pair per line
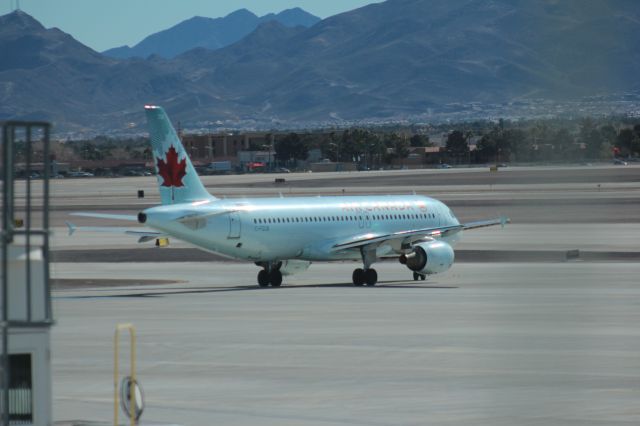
417, 276
365, 276
368, 275
270, 275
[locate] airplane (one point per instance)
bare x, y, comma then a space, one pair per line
283, 236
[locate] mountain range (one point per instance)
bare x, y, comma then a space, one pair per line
209, 33
394, 59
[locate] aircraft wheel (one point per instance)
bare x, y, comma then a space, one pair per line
423, 277
358, 277
263, 278
276, 278
416, 276
370, 277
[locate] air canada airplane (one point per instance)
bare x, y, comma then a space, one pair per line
284, 235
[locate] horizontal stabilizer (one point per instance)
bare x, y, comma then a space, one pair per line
71, 226
127, 217
143, 233
147, 238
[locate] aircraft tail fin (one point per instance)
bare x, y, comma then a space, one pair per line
177, 179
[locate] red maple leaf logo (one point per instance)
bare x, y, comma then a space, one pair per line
172, 171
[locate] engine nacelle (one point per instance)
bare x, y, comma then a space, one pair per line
290, 267
433, 257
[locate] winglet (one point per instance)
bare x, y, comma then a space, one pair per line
71, 226
504, 220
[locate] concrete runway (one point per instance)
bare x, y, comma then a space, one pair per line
491, 343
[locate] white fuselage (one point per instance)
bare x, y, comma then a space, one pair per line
305, 228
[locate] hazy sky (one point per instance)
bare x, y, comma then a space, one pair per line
102, 24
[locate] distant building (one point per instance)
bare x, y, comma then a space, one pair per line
255, 160
422, 156
223, 147
315, 155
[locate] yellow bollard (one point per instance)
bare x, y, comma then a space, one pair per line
162, 242
116, 372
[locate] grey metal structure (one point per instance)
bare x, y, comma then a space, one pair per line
26, 297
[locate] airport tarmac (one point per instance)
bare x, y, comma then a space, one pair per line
491, 343
486, 344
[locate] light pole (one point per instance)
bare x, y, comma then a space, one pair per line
337, 151
371, 147
268, 148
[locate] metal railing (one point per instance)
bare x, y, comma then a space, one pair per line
21, 406
19, 140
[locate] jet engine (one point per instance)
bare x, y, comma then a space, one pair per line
427, 258
290, 267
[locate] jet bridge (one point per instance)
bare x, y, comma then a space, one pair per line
25, 297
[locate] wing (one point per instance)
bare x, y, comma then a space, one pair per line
403, 237
502, 220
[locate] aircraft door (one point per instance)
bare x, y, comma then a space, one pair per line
364, 219
234, 225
